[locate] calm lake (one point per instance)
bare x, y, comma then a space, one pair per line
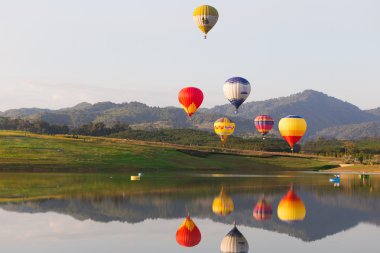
110, 213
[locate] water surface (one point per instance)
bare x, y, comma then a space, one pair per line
108, 212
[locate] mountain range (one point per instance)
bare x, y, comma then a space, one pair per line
327, 213
326, 116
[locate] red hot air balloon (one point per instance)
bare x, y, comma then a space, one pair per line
264, 123
188, 234
262, 210
191, 99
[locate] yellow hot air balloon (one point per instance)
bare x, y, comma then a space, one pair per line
224, 127
223, 204
205, 17
292, 128
291, 208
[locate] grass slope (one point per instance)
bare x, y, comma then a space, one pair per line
32, 152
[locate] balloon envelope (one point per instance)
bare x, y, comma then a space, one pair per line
188, 234
224, 127
292, 128
262, 210
191, 99
291, 208
223, 204
205, 17
234, 242
264, 123
236, 90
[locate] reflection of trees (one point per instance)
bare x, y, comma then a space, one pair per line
327, 212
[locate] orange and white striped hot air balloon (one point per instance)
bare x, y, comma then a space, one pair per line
188, 234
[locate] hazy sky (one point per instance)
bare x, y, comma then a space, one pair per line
58, 53
53, 232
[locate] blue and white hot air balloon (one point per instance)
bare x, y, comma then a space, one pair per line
236, 90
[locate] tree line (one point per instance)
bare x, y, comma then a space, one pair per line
365, 151
43, 127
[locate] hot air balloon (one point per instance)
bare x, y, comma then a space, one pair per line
291, 208
224, 127
205, 17
264, 123
236, 90
222, 205
234, 242
188, 234
262, 210
292, 128
190, 98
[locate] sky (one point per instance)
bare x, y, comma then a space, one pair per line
56, 54
53, 232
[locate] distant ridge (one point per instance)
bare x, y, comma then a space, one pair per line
322, 112
375, 111
351, 132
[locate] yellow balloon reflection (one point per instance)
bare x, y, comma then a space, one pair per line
223, 204
291, 208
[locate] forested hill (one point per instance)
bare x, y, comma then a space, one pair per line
353, 131
374, 111
320, 110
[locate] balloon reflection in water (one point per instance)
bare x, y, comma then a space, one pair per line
223, 204
188, 234
365, 180
234, 242
262, 210
291, 208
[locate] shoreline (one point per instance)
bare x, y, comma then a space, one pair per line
357, 169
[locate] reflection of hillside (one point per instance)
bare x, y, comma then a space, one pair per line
327, 214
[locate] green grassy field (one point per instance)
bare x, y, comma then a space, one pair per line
32, 152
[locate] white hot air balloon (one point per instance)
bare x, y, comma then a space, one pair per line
234, 242
236, 90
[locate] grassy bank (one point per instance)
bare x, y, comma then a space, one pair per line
32, 152
358, 169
